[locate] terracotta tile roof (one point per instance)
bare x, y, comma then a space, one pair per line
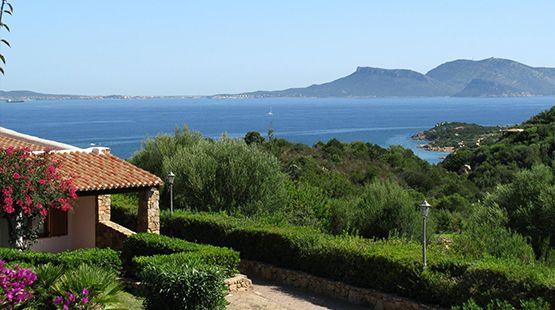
94, 169
7, 140
98, 170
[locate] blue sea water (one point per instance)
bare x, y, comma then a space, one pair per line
123, 124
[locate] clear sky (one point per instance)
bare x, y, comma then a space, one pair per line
180, 47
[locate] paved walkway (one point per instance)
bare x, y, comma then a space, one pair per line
268, 296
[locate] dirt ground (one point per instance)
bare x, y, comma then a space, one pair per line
268, 296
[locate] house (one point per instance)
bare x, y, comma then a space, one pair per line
98, 174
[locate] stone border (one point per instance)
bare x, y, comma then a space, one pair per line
335, 289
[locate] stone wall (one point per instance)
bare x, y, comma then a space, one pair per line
103, 204
148, 215
355, 295
111, 235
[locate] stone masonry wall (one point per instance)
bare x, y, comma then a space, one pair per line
355, 295
103, 203
111, 235
148, 215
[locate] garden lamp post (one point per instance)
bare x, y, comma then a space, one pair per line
171, 178
424, 210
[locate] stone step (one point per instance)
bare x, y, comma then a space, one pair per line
239, 283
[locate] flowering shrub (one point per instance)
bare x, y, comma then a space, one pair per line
30, 184
72, 301
14, 285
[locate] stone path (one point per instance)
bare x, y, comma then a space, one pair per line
269, 296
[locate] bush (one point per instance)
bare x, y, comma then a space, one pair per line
102, 286
91, 288
226, 175
392, 266
529, 304
103, 258
485, 233
144, 247
183, 285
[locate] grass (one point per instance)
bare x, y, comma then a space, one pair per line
129, 301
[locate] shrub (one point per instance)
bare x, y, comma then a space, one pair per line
99, 286
142, 248
14, 285
392, 266
103, 258
226, 175
190, 285
81, 287
529, 304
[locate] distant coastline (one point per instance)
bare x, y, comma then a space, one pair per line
487, 78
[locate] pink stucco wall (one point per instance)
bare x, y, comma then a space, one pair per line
81, 229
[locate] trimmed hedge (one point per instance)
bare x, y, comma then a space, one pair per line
391, 266
187, 284
176, 274
103, 258
155, 248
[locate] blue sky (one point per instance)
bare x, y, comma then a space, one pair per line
179, 47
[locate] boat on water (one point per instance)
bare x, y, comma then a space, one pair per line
14, 101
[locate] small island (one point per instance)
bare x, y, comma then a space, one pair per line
450, 136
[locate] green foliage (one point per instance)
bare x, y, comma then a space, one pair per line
215, 175
530, 204
253, 137
529, 304
124, 210
307, 205
103, 285
155, 150
498, 162
5, 8
144, 245
56, 280
392, 266
384, 209
452, 134
486, 234
183, 285
226, 175
102, 258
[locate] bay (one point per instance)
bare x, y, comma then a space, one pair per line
122, 125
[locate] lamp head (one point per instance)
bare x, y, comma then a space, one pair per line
171, 177
425, 208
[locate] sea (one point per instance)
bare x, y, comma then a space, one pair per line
123, 125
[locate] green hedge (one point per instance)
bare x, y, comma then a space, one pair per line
103, 258
178, 281
392, 266
176, 274
155, 248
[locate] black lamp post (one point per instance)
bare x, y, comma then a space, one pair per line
171, 178
424, 210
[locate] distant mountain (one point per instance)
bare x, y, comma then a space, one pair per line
490, 77
367, 82
484, 88
504, 73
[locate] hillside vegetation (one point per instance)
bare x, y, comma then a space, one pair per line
497, 216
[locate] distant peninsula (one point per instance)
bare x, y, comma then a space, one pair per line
451, 136
492, 77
